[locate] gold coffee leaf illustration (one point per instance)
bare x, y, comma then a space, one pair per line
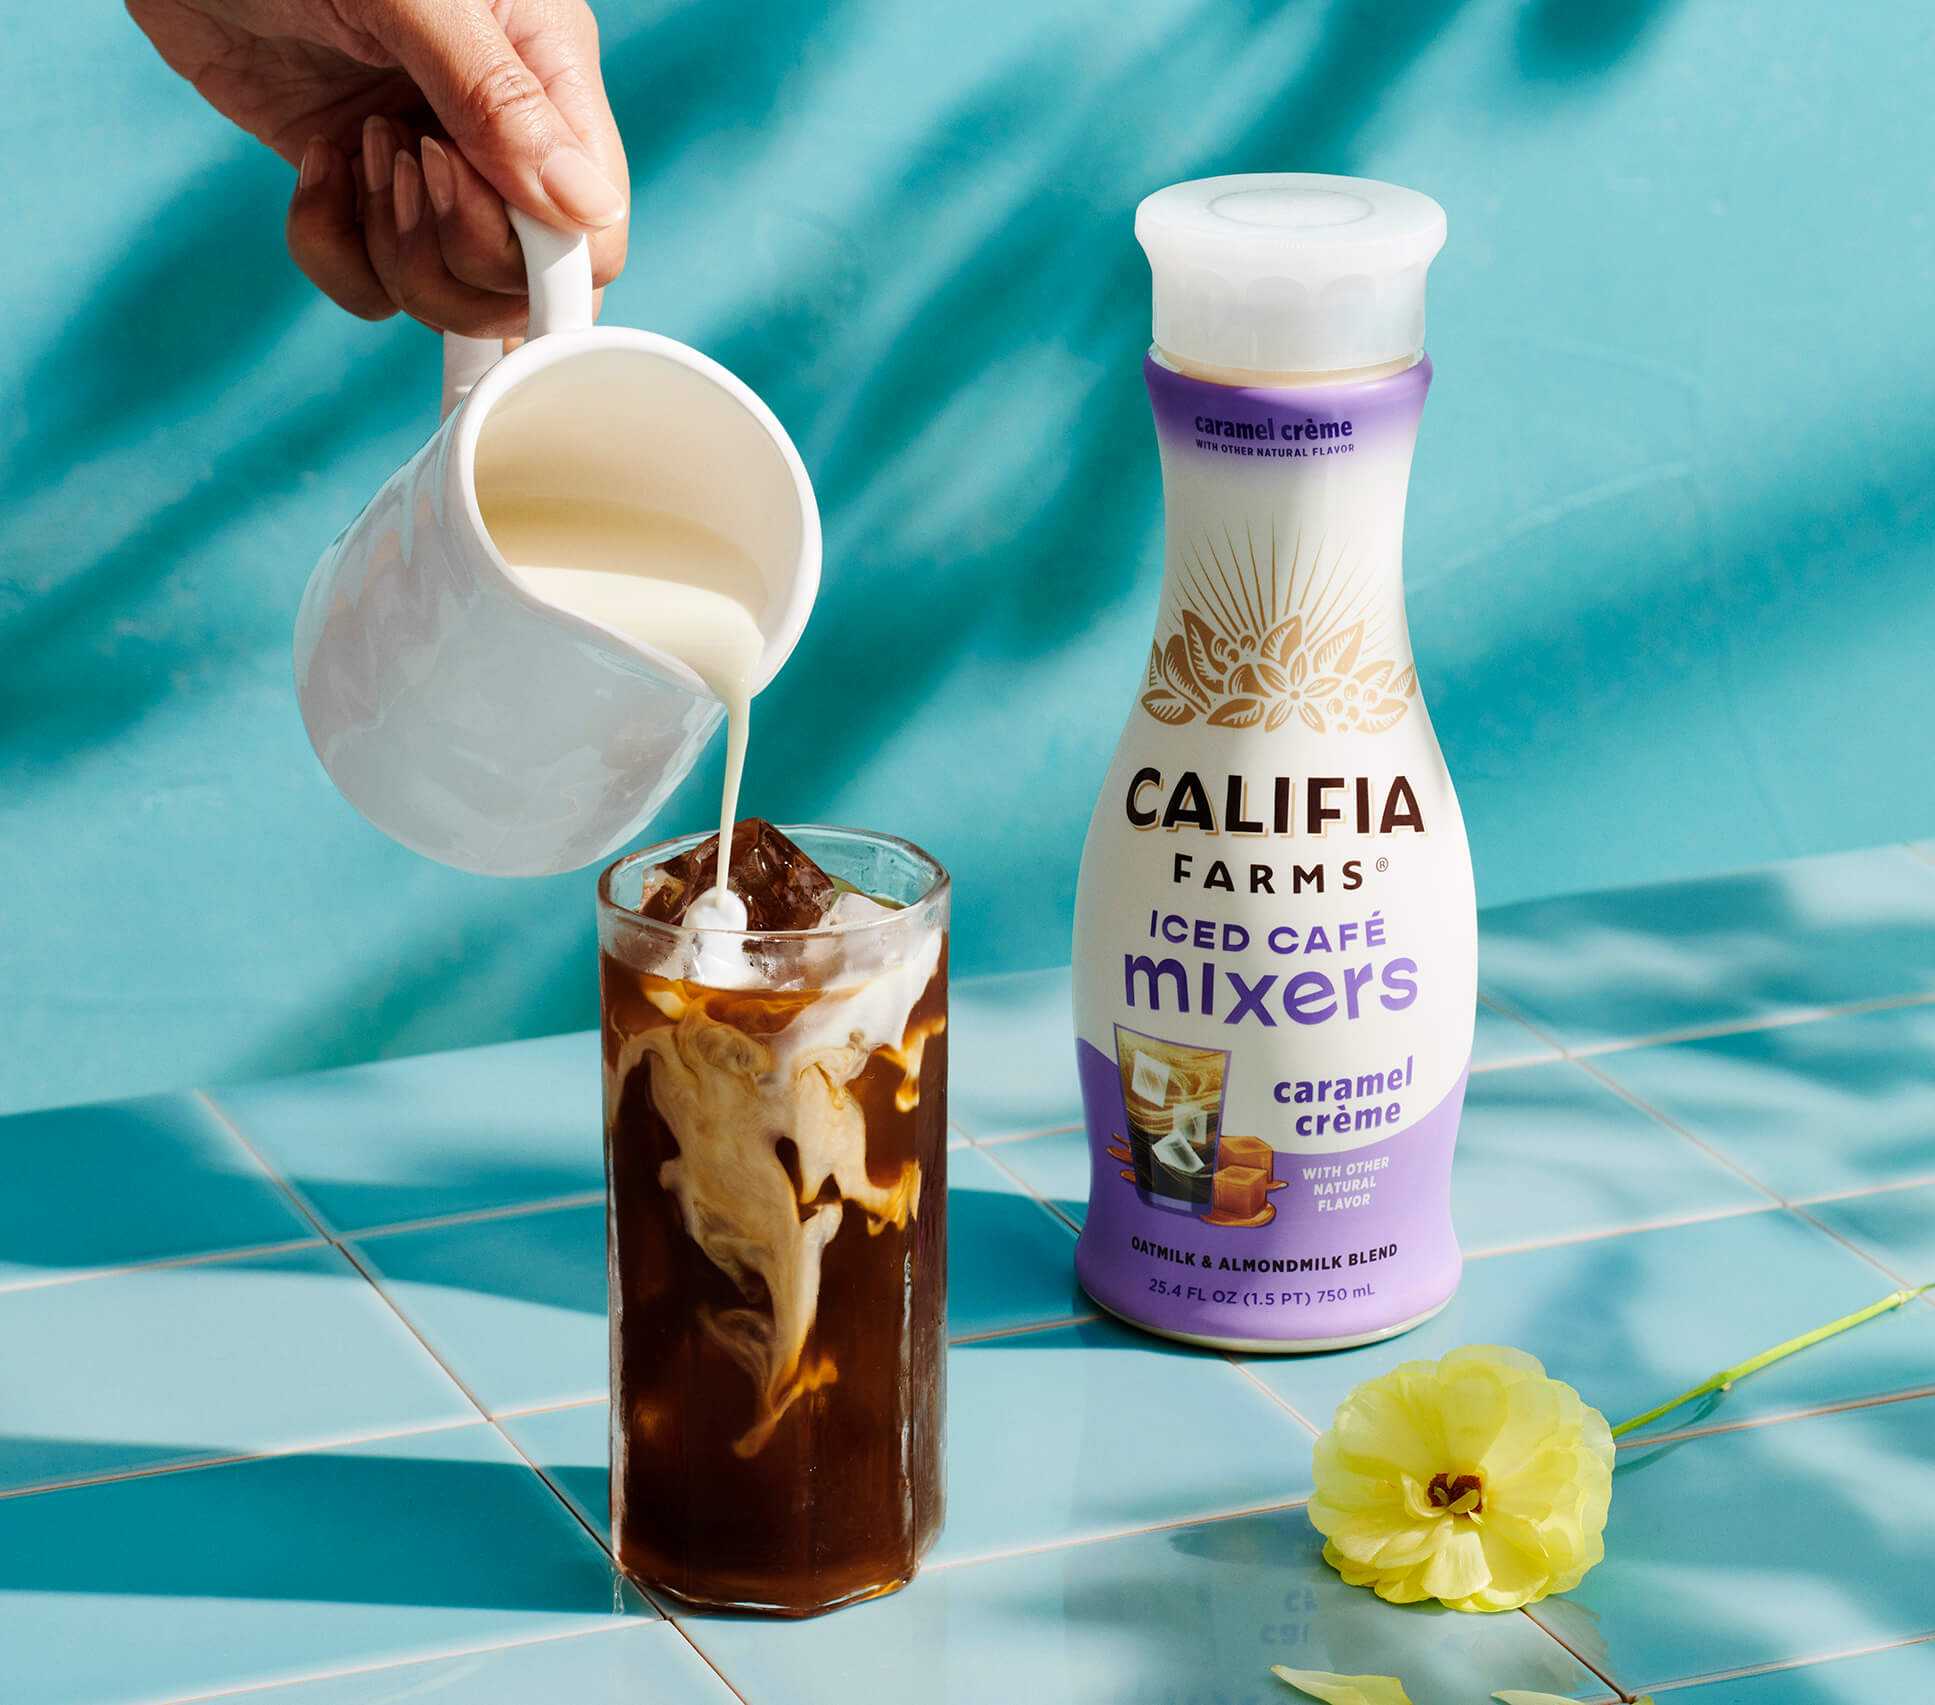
1168, 707
1259, 641
1339, 650
1236, 713
1200, 643
1381, 715
1176, 671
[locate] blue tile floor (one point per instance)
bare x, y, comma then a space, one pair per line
310, 1407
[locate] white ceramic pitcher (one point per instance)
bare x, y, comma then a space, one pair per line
459, 713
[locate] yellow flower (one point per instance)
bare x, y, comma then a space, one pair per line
1474, 1480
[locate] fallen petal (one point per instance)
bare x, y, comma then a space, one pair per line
1344, 1689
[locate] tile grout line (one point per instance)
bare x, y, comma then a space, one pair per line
230, 1459
1902, 1282
1619, 1693
479, 1216
162, 1263
1032, 1193
1275, 1397
1013, 1553
1750, 1423
1719, 1157
383, 1668
1781, 1018
1779, 1666
996, 1334
1677, 1222
1828, 1198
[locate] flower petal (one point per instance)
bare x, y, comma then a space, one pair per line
1344, 1689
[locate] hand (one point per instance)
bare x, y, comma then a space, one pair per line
413, 122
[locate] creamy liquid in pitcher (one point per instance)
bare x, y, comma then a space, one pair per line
673, 584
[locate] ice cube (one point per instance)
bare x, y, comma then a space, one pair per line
1192, 1123
782, 888
852, 907
1149, 1078
1175, 1153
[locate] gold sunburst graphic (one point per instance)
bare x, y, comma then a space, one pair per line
1252, 639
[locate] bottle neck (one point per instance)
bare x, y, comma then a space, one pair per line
1284, 513
1252, 377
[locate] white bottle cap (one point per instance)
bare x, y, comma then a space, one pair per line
1289, 272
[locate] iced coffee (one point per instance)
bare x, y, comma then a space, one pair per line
1172, 1101
776, 1111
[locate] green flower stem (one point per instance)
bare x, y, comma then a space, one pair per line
1740, 1370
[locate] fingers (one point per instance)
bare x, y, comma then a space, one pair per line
475, 236
325, 239
498, 112
558, 40
401, 237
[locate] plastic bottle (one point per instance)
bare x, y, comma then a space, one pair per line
1275, 936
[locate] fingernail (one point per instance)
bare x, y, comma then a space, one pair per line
438, 178
315, 163
582, 192
379, 155
409, 194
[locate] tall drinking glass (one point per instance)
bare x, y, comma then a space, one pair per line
776, 1155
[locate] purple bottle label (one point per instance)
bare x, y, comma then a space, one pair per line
1351, 1243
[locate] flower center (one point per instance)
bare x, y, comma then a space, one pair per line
1461, 1494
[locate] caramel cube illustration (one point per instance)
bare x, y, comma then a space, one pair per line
1246, 1151
1240, 1191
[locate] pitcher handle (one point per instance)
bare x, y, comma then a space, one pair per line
557, 271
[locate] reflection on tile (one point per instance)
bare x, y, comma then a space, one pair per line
1895, 1677
126, 1181
1630, 1321
270, 1571
1011, 1054
1194, 1616
1055, 1167
439, 1134
1092, 1429
1840, 1103
1631, 963
1009, 1261
1548, 1152
1896, 1227
174, 1364
640, 1661
1763, 1545
515, 1306
1499, 1040
1051, 1436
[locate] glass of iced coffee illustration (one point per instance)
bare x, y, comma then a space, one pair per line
1172, 1103
776, 1117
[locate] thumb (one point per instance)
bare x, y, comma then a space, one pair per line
498, 112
